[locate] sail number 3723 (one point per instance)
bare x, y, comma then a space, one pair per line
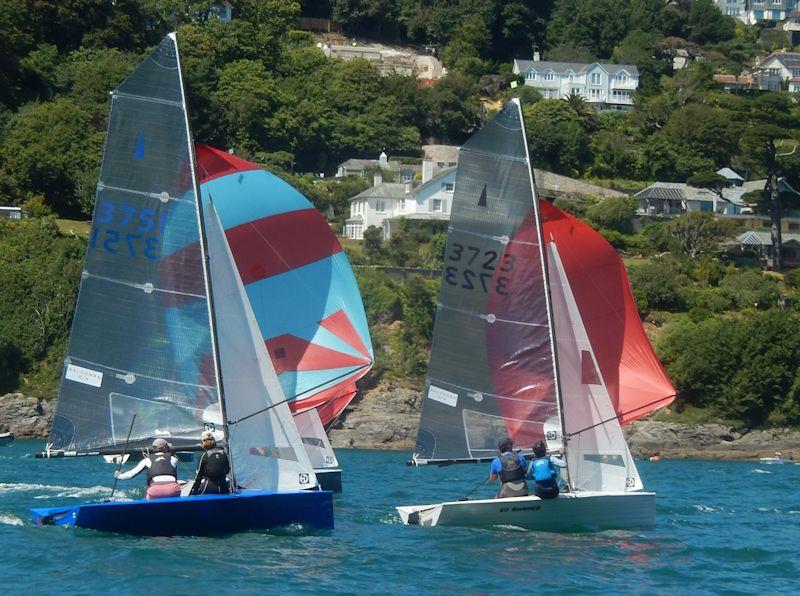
477, 269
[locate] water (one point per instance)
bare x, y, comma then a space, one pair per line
727, 527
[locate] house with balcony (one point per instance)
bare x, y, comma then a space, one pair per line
780, 70
386, 203
768, 10
605, 86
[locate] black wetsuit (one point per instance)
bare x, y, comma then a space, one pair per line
211, 474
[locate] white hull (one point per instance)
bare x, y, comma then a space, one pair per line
775, 460
569, 512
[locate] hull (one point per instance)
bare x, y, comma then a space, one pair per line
584, 511
6, 438
775, 460
329, 479
197, 516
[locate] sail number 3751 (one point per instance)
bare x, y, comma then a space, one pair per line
140, 239
477, 269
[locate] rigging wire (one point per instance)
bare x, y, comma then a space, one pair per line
618, 416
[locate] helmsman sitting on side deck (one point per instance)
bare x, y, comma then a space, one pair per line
542, 470
510, 468
162, 471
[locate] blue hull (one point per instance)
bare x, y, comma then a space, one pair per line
197, 516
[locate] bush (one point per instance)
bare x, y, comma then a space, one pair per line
792, 278
380, 296
750, 289
656, 286
613, 214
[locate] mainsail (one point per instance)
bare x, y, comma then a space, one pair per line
299, 281
142, 323
492, 368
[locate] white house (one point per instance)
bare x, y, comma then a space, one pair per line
386, 203
779, 69
606, 86
733, 8
768, 10
11, 213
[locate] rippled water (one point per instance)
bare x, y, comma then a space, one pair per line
722, 527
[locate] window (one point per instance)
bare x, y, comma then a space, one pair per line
402, 205
451, 164
408, 175
576, 91
595, 78
448, 186
594, 93
439, 164
623, 78
436, 205
549, 77
379, 206
531, 76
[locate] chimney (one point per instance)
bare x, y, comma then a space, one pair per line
427, 170
377, 180
408, 188
536, 55
383, 159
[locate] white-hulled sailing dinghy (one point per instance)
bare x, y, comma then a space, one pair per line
516, 352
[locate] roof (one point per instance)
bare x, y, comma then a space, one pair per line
386, 190
437, 178
787, 59
549, 184
393, 164
734, 194
729, 174
445, 153
676, 191
576, 67
751, 238
423, 216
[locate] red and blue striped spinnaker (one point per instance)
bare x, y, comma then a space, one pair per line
298, 279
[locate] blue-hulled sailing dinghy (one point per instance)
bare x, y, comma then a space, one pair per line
164, 342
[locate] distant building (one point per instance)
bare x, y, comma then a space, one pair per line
605, 86
780, 70
11, 213
403, 169
389, 61
733, 8
768, 10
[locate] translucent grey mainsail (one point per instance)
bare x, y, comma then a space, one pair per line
265, 446
316, 442
491, 370
140, 340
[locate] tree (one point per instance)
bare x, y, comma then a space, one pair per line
614, 213
771, 123
698, 233
707, 24
556, 136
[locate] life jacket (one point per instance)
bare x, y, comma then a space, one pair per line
161, 465
215, 464
511, 469
543, 470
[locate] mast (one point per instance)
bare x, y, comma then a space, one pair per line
204, 257
548, 300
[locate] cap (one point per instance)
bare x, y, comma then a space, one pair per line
160, 444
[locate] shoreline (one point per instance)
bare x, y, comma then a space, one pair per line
386, 417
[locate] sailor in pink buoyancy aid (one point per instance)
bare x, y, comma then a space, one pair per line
162, 471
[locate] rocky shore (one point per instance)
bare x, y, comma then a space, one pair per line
386, 417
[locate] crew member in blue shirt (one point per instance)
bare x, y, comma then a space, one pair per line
510, 468
542, 470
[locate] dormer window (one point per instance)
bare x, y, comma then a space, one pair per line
622, 78
531, 76
549, 76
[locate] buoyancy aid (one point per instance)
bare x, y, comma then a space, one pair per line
161, 465
511, 468
543, 470
215, 464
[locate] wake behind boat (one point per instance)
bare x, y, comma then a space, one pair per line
536, 338
164, 338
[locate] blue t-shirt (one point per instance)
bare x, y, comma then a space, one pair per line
497, 467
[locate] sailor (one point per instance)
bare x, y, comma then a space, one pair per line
212, 469
510, 468
542, 470
162, 471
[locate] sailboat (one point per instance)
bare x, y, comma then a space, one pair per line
6, 439
536, 338
302, 290
164, 340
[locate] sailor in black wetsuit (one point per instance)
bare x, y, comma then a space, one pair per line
212, 469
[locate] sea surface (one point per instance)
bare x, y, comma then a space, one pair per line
722, 527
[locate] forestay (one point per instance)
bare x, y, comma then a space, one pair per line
598, 458
141, 325
265, 446
492, 370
